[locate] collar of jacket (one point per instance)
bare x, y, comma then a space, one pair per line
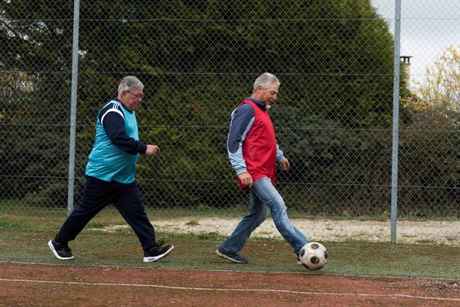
260, 103
124, 107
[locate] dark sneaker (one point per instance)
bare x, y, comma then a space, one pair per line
60, 250
157, 252
233, 257
298, 259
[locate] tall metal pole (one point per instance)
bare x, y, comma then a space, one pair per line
73, 106
396, 98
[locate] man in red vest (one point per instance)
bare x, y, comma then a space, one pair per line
253, 153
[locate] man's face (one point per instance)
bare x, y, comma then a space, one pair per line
132, 98
269, 94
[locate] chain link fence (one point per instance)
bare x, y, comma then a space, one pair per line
197, 60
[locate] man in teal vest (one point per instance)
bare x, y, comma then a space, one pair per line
110, 175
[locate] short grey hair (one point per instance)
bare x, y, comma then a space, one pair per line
128, 83
265, 80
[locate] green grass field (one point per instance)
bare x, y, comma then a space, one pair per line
23, 238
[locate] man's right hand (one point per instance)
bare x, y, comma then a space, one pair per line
152, 150
245, 179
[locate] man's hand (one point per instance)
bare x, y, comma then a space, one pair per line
245, 179
152, 150
284, 164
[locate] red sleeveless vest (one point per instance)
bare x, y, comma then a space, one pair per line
259, 147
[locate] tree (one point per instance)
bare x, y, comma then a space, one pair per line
430, 139
440, 91
197, 60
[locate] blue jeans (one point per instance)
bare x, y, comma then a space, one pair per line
263, 194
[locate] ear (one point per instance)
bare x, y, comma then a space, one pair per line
258, 90
122, 96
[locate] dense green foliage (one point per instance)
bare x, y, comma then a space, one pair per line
198, 59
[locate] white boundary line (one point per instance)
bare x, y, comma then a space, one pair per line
105, 284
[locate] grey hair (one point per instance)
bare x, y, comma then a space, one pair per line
265, 80
128, 83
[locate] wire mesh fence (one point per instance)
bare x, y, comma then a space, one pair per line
197, 60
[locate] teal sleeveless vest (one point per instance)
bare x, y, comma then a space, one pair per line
106, 161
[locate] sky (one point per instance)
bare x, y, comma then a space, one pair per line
427, 28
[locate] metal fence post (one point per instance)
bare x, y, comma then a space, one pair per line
395, 143
73, 106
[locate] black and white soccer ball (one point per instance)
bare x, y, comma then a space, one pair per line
313, 256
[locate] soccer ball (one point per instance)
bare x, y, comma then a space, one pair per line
313, 256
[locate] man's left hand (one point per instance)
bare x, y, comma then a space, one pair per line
284, 164
152, 150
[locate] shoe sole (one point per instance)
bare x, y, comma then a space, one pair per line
156, 258
229, 258
55, 253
